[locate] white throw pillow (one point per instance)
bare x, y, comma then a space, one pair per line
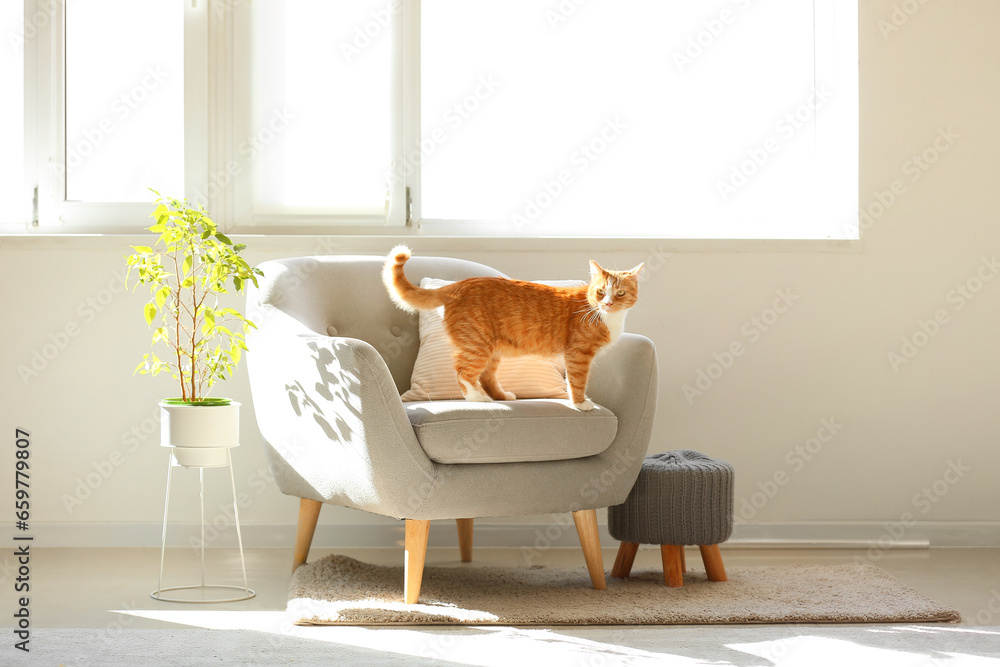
434, 377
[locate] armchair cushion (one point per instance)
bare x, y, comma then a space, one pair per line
434, 376
509, 431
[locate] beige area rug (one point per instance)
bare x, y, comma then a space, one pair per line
338, 590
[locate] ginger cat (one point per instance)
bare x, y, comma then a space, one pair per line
488, 318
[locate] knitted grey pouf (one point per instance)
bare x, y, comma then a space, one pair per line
681, 497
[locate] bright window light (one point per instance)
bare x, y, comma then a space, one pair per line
12, 183
320, 106
632, 118
124, 100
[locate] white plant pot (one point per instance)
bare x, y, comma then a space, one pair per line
200, 435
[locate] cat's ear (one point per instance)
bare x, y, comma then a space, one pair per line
636, 270
595, 269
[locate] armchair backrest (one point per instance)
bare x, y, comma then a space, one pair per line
343, 295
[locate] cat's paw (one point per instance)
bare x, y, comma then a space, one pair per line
509, 396
586, 406
473, 394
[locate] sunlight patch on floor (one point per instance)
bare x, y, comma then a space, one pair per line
824, 651
465, 645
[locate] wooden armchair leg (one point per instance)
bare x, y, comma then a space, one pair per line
308, 516
590, 540
465, 539
416, 552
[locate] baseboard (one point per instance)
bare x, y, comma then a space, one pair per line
868, 534
558, 533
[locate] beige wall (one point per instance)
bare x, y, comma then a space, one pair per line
825, 358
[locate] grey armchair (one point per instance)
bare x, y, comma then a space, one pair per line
327, 365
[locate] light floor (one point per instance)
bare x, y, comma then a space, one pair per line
108, 590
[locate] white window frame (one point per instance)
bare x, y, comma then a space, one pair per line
56, 214
17, 217
237, 207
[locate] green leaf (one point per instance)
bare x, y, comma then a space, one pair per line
222, 237
186, 266
161, 296
150, 312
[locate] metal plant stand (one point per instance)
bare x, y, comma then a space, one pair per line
221, 590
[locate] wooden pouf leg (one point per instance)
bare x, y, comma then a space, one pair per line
673, 574
624, 559
684, 565
714, 568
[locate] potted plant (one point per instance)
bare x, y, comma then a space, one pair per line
189, 266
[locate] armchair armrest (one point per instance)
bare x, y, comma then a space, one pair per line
624, 380
331, 417
623, 373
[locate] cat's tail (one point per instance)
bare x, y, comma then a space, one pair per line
405, 294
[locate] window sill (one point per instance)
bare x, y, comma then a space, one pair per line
379, 241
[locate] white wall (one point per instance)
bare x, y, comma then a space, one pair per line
826, 358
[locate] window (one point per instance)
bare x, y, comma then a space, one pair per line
321, 108
639, 118
121, 105
124, 115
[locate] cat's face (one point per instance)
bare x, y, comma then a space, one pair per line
613, 291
